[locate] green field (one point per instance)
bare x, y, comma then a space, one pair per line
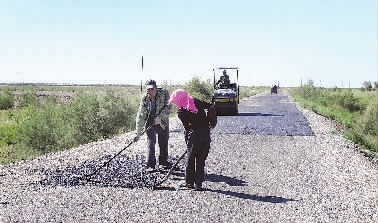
44, 119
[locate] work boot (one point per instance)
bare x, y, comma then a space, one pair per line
186, 186
165, 165
198, 188
150, 169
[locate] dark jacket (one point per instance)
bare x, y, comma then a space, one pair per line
192, 121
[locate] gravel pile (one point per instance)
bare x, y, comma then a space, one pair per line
120, 171
317, 176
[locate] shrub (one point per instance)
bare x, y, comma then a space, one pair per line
8, 135
6, 101
200, 89
95, 118
28, 99
54, 127
43, 130
308, 92
348, 101
370, 119
116, 115
85, 118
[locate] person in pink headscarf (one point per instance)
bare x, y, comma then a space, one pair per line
191, 112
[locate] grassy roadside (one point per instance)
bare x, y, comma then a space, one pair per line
355, 109
37, 124
44, 119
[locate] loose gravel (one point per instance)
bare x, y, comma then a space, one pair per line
302, 173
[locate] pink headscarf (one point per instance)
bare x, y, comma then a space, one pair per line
182, 99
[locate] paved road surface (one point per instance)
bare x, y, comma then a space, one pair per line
266, 115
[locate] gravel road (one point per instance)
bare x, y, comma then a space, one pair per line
274, 162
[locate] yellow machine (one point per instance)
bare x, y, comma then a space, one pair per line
226, 90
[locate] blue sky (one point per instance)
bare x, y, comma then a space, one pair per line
333, 42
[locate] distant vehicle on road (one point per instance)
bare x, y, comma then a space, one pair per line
273, 90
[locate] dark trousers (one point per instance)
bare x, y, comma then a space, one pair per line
198, 145
162, 137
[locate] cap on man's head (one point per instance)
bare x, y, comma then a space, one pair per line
151, 84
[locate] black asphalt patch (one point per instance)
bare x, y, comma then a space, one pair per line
267, 115
122, 171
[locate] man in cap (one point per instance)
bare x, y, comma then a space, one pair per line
154, 111
224, 79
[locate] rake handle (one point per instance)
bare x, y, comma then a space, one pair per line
171, 170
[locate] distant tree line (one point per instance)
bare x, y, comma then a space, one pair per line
368, 85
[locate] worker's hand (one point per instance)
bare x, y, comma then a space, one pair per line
157, 121
136, 138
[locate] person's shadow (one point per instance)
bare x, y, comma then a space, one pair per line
228, 180
270, 199
232, 181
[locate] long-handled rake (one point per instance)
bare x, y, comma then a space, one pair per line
88, 176
171, 170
